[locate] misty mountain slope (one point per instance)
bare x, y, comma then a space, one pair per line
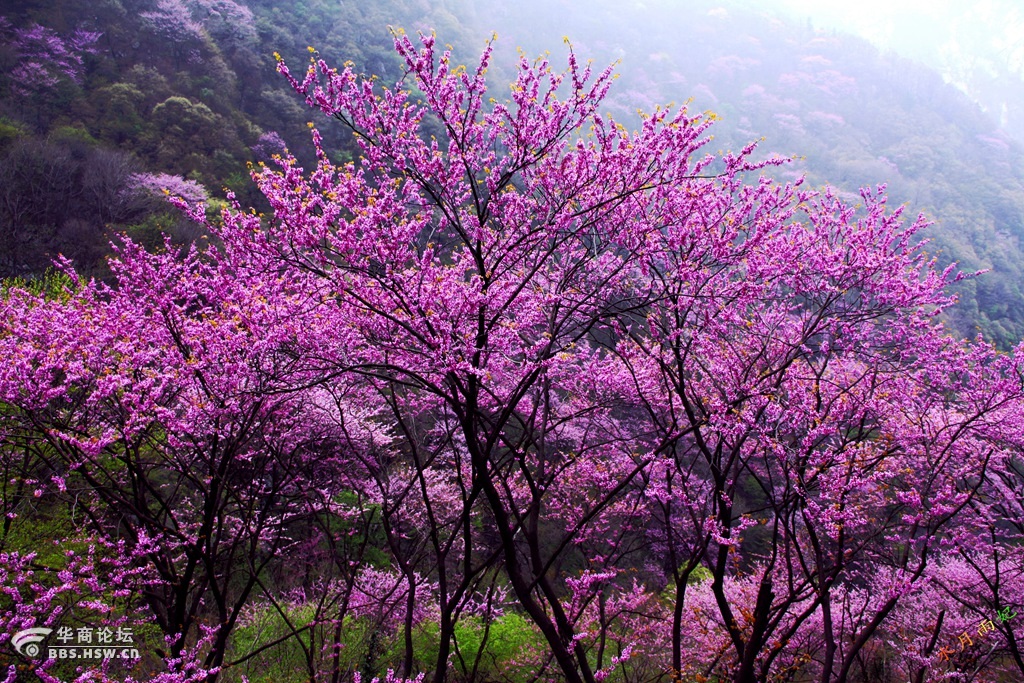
198, 99
851, 116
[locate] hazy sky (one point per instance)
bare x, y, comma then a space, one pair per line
954, 36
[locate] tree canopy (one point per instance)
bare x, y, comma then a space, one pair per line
518, 393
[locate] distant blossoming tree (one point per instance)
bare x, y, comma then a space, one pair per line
268, 144
230, 24
44, 58
172, 20
164, 184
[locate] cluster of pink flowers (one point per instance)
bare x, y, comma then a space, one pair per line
44, 58
165, 184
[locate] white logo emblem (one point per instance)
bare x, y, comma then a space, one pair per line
25, 641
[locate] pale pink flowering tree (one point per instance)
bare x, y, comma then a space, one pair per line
172, 20
165, 184
228, 23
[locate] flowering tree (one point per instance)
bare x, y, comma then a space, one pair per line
540, 291
160, 184
172, 19
229, 23
833, 439
44, 58
534, 363
46, 67
183, 21
268, 144
153, 409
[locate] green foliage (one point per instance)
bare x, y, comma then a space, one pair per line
283, 661
122, 117
166, 221
38, 528
52, 284
9, 132
502, 647
184, 122
700, 574
73, 135
506, 643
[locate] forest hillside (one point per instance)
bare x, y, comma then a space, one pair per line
115, 90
